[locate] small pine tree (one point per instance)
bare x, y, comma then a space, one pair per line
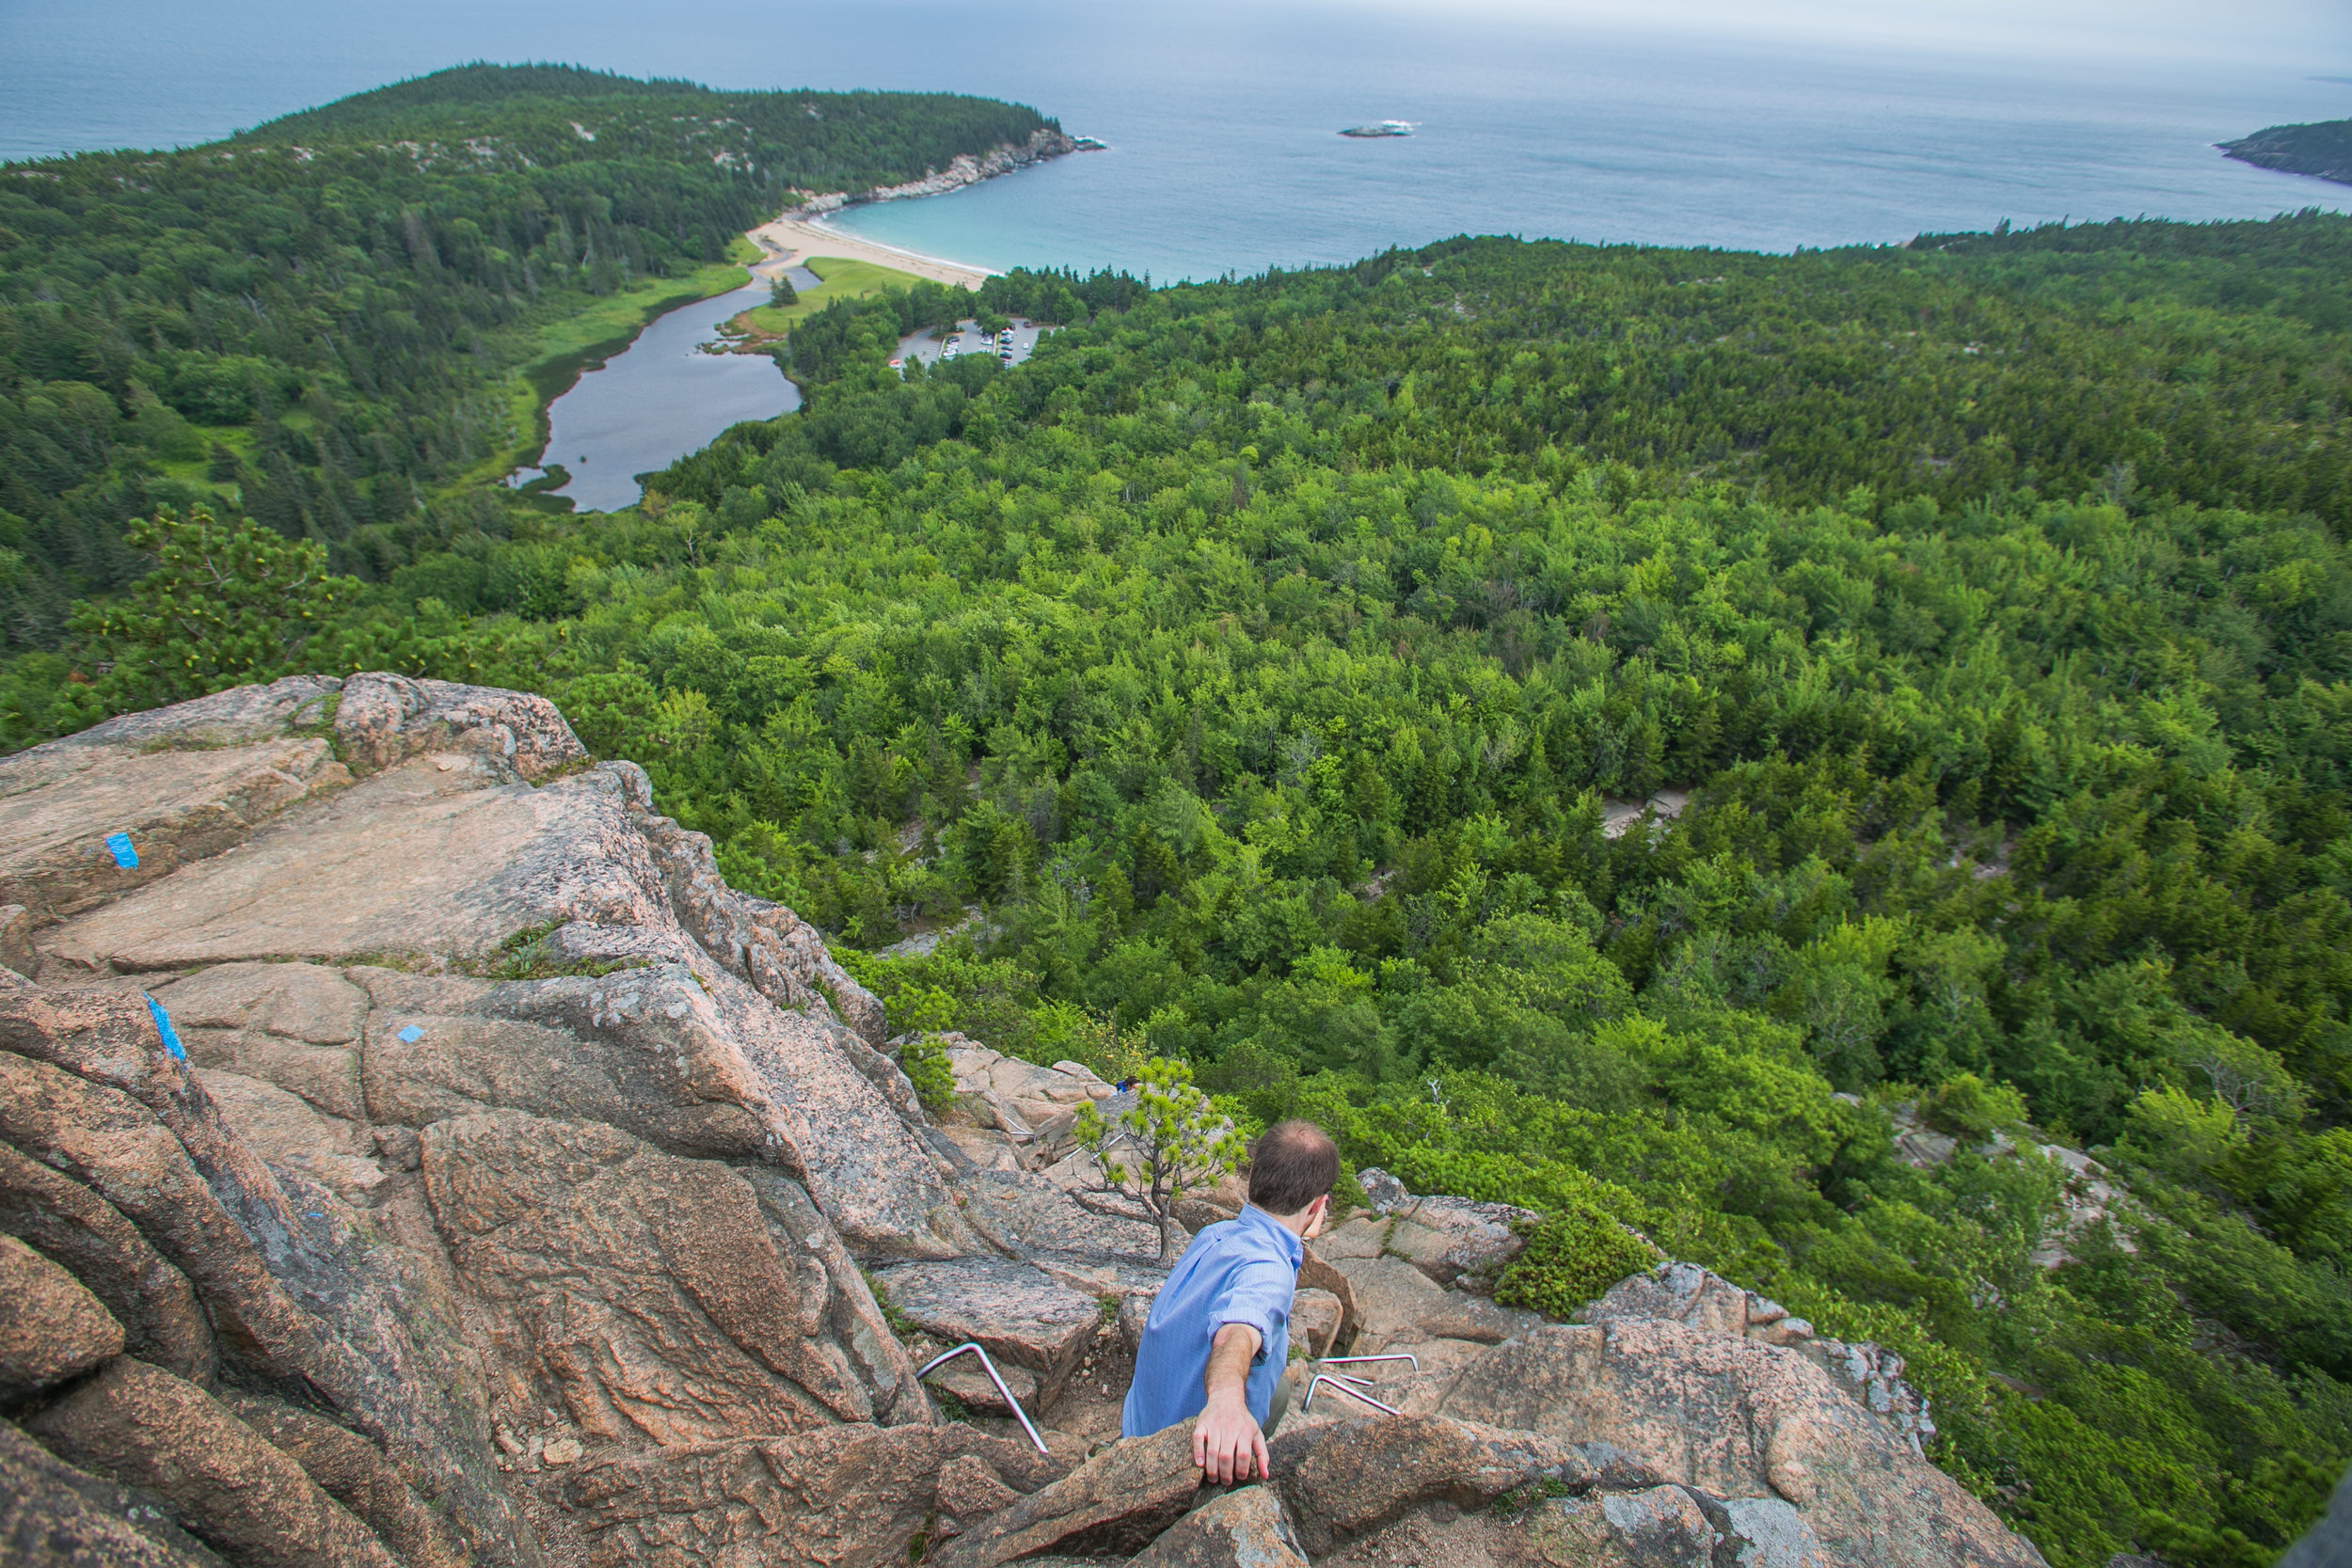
925, 1015
1175, 1143
780, 292
924, 1062
227, 603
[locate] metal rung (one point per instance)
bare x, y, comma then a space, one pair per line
1351, 1360
1350, 1384
1346, 1386
990, 1366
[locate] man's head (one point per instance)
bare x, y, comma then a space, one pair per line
1291, 1165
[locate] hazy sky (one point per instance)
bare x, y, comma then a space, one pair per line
2317, 33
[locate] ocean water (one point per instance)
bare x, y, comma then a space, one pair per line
1221, 119
1226, 157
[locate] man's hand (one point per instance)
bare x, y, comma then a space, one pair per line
1226, 1441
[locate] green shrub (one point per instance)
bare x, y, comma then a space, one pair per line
924, 1062
1572, 1256
1968, 1107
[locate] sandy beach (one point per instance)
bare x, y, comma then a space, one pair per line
789, 241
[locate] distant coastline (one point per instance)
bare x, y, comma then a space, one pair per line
2322, 150
1043, 144
801, 230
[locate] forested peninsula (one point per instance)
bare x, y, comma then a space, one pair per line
2322, 150
1249, 676
339, 320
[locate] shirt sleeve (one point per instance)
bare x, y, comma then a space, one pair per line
1258, 1294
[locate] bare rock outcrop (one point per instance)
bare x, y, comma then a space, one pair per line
1709, 1419
965, 168
842, 1497
413, 1153
178, 786
651, 1294
1117, 1503
51, 1329
1737, 1418
1248, 1529
56, 1515
227, 1483
407, 1119
1452, 1239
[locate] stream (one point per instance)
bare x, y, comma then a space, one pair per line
657, 399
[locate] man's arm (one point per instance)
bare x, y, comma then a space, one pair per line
1226, 1441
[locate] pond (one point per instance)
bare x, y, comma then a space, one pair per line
657, 399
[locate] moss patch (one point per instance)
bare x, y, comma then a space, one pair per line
1572, 1256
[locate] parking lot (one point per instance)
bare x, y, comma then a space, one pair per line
929, 347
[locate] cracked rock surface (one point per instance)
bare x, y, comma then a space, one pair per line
412, 1152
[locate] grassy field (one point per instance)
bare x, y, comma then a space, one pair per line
842, 279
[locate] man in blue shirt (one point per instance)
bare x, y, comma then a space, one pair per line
1219, 1335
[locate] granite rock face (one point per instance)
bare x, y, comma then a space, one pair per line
1117, 1503
965, 168
228, 1483
1737, 1418
1351, 1478
1398, 1307
495, 1140
1661, 1528
840, 1496
1248, 1528
650, 1293
1021, 1317
1452, 1239
51, 1329
413, 1153
1688, 1294
55, 1515
181, 784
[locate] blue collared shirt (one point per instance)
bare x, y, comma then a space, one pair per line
1242, 1271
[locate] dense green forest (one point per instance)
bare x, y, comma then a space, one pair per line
1246, 676
320, 321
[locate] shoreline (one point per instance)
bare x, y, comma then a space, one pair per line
789, 241
798, 232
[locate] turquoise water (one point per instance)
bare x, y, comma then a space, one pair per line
1221, 119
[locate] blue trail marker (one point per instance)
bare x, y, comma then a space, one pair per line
118, 846
162, 1027
411, 1035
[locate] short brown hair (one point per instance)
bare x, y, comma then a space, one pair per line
1292, 1164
